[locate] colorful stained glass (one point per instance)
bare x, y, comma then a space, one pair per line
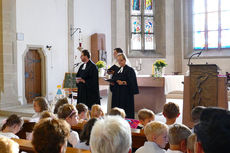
136, 42
212, 5
213, 39
148, 25
148, 5
198, 6
149, 42
199, 40
225, 5
225, 22
225, 37
199, 22
135, 4
213, 21
136, 24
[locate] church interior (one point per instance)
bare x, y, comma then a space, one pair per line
41, 43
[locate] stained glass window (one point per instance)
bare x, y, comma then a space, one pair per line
142, 25
211, 24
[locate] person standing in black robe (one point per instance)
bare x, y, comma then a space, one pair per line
87, 81
124, 87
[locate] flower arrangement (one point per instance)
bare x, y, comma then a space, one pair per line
100, 64
159, 64
157, 68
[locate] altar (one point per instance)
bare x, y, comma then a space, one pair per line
151, 92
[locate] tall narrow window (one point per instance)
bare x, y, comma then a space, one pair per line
142, 37
211, 24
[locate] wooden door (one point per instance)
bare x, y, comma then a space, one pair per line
32, 75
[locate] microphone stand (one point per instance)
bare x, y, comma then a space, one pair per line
198, 54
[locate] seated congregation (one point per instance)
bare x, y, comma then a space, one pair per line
70, 126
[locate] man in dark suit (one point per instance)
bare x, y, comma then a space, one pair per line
87, 81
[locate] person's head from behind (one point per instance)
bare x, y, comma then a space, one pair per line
96, 111
196, 112
117, 51
121, 59
157, 132
145, 116
85, 55
111, 135
117, 111
86, 132
40, 104
191, 143
47, 114
8, 146
60, 103
50, 136
82, 111
178, 134
171, 111
69, 113
13, 124
213, 134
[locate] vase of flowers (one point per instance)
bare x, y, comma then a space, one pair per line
101, 68
158, 67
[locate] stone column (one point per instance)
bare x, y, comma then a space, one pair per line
8, 55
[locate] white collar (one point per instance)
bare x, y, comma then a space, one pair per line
173, 151
84, 66
121, 70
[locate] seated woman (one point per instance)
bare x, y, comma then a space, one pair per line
124, 87
85, 135
12, 126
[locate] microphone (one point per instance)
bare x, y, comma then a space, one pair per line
76, 64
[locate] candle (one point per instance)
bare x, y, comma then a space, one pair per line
79, 44
140, 61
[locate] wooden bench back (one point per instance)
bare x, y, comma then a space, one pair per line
25, 145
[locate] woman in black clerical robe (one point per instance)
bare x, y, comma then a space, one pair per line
87, 81
124, 87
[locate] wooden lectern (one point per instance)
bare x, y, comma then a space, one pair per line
203, 88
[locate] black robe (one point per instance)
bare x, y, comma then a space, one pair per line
88, 92
123, 95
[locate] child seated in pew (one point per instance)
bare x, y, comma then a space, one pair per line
12, 125
191, 143
117, 111
85, 135
40, 104
8, 146
96, 111
44, 114
69, 113
50, 136
145, 116
47, 114
171, 112
157, 136
83, 112
60, 103
178, 134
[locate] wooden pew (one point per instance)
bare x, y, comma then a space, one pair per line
25, 145
138, 136
27, 127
